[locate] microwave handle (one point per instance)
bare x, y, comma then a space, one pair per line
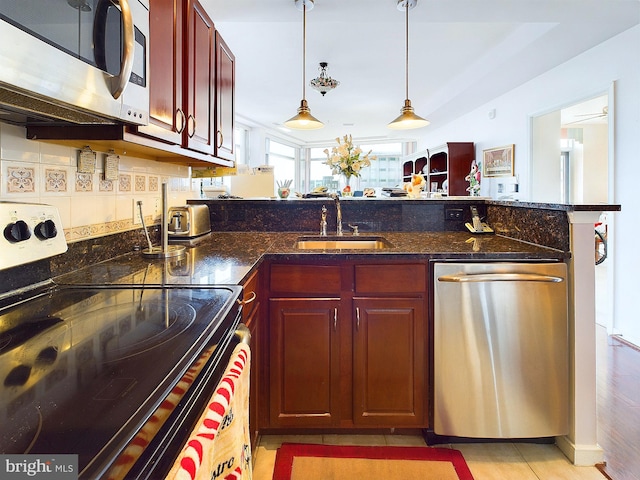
119, 82
116, 83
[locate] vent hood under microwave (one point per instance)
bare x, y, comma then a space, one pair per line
71, 65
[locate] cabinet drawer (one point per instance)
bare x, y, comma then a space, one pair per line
312, 279
408, 278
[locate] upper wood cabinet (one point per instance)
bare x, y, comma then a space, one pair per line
167, 119
198, 134
224, 100
192, 77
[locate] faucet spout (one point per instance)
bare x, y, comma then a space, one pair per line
336, 199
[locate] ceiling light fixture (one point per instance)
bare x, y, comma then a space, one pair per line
407, 119
304, 120
81, 5
324, 83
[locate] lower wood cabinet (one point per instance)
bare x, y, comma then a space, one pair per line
304, 362
251, 298
347, 354
389, 374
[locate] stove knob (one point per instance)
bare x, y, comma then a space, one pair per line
46, 229
17, 232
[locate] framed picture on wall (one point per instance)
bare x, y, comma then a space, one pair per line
498, 162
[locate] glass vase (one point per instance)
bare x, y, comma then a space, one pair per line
345, 186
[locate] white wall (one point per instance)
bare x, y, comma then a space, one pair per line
614, 62
39, 172
595, 180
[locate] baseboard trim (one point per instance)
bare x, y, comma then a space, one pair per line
580, 455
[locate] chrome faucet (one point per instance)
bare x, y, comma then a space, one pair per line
336, 199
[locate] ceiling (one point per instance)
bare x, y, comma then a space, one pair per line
462, 54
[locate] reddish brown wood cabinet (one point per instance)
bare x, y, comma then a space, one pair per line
224, 100
166, 40
191, 80
252, 302
347, 348
304, 362
198, 133
388, 353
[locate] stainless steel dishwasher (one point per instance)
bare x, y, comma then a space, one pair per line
501, 359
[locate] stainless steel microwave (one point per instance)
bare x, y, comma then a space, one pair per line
79, 61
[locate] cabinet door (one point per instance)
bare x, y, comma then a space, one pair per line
251, 298
166, 45
389, 371
224, 105
304, 362
199, 75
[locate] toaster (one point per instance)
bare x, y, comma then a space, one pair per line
188, 221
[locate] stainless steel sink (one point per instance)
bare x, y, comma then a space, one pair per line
342, 243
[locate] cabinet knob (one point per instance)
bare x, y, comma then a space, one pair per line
220, 138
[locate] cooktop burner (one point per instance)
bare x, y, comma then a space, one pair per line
82, 367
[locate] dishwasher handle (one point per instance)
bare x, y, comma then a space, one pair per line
500, 277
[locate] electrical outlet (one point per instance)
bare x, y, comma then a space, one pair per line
136, 211
453, 214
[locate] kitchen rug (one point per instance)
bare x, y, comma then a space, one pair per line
296, 461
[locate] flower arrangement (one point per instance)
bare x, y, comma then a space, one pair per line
347, 160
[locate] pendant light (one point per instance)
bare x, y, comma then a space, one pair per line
407, 119
304, 120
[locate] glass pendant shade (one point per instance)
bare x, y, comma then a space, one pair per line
303, 120
408, 119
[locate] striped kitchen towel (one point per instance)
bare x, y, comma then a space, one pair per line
219, 446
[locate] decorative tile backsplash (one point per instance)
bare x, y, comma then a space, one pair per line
90, 206
55, 180
141, 183
21, 179
124, 183
84, 182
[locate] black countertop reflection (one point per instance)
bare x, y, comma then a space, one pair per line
228, 257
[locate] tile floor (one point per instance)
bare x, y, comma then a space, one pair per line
487, 461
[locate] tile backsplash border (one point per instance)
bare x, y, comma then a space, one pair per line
90, 206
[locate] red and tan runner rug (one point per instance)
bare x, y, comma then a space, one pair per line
295, 461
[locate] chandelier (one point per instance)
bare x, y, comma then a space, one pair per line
324, 83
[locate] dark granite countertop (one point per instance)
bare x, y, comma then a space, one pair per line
228, 257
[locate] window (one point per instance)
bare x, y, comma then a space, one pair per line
385, 171
241, 141
306, 167
283, 159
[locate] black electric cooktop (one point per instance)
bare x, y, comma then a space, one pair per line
81, 369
